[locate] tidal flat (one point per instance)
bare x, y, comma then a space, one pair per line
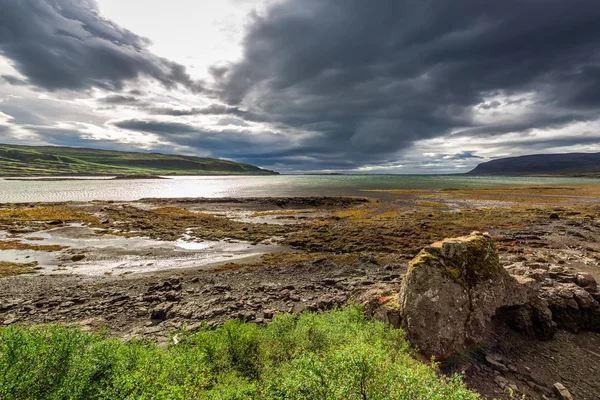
148, 268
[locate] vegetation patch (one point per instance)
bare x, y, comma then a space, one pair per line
31, 218
521, 195
12, 269
381, 229
172, 223
175, 210
17, 245
336, 355
408, 231
44, 213
356, 213
425, 203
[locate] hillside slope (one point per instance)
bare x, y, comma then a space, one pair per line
569, 164
50, 161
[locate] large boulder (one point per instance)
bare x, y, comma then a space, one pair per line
454, 288
451, 291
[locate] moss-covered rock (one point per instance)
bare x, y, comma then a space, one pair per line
451, 291
466, 260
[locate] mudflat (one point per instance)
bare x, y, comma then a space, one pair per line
150, 267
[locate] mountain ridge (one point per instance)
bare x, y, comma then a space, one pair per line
559, 164
20, 160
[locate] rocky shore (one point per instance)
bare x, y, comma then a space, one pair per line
515, 312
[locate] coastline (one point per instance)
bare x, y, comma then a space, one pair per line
326, 249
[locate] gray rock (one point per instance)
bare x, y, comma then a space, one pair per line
532, 319
161, 311
501, 381
573, 308
380, 301
93, 324
562, 392
495, 364
452, 290
586, 281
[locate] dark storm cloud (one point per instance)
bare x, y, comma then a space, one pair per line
463, 155
13, 80
160, 128
242, 145
213, 109
376, 76
522, 126
119, 100
66, 44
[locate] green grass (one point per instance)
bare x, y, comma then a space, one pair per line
336, 355
49, 160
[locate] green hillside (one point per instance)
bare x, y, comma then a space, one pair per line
57, 161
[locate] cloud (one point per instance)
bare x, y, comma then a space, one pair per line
161, 128
227, 139
376, 78
66, 44
463, 155
119, 99
13, 80
386, 86
212, 109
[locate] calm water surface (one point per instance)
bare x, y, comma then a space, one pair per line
253, 186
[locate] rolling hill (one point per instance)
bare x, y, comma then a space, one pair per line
60, 161
569, 164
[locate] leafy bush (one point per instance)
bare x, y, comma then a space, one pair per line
335, 355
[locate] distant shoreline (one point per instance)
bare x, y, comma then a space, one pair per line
92, 177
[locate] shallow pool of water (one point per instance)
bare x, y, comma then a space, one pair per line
111, 254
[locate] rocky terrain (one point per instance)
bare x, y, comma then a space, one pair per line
537, 327
456, 296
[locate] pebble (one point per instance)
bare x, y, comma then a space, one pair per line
495, 364
501, 381
562, 392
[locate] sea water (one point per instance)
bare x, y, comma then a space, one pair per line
13, 191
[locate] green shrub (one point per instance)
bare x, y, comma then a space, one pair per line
335, 355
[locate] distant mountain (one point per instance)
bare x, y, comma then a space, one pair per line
570, 164
56, 161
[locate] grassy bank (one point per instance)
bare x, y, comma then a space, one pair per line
336, 355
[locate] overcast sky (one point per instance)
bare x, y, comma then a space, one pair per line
392, 86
